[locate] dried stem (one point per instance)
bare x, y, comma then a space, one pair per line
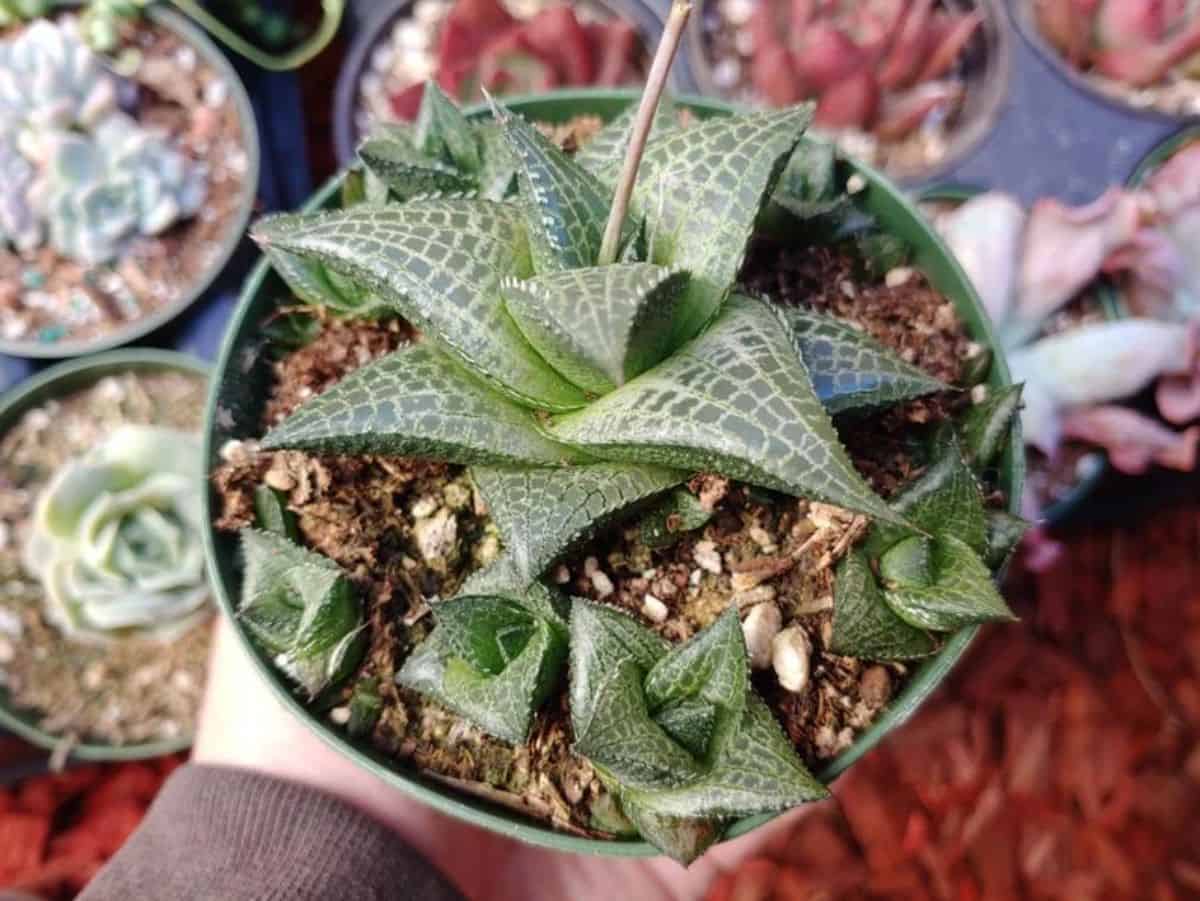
655, 82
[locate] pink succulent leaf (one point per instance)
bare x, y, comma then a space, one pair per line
1067, 25
824, 56
1105, 361
1175, 185
1065, 248
985, 235
910, 50
903, 113
1161, 281
1178, 395
1123, 22
1141, 65
951, 45
1134, 442
851, 103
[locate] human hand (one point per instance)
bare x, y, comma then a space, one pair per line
243, 725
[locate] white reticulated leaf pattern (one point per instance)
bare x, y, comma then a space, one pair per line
439, 263
736, 400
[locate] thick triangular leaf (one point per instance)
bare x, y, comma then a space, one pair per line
681, 838
302, 608
701, 190
565, 206
711, 667
417, 402
408, 172
610, 656
962, 593
672, 518
443, 132
502, 581
737, 401
1004, 533
945, 500
416, 257
985, 428
521, 657
863, 624
498, 170
757, 771
541, 513
272, 514
598, 327
314, 284
908, 562
849, 369
604, 154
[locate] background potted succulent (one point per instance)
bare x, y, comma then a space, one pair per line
1036, 272
103, 639
126, 191
1140, 53
911, 87
560, 456
503, 47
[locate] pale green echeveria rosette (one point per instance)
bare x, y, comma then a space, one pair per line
116, 543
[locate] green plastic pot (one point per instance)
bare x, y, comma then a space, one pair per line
238, 396
1071, 502
211, 55
59, 381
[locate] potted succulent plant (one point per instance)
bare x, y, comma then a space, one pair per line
471, 44
590, 548
128, 178
103, 636
1058, 486
909, 86
1142, 54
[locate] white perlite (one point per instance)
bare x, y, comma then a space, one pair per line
436, 535
760, 628
790, 652
602, 583
707, 557
654, 609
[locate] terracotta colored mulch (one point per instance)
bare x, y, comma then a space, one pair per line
56, 831
1061, 762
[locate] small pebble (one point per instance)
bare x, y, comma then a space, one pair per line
790, 652
590, 565
847, 288
979, 394
436, 536
602, 583
898, 277
562, 575
424, 507
706, 557
339, 715
875, 686
760, 627
761, 536
654, 609
855, 184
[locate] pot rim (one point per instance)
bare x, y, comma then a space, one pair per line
1158, 155
448, 801
1110, 301
67, 377
214, 57
994, 88
643, 15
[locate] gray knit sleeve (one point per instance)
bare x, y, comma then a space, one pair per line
219, 833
